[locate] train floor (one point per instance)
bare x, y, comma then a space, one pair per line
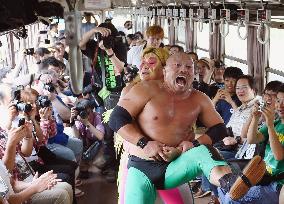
98, 191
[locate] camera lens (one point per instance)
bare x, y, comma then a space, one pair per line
22, 121
24, 107
49, 87
83, 114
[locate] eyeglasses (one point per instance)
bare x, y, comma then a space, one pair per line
244, 87
270, 95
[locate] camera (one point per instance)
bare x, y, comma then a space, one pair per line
49, 87
130, 73
24, 107
94, 98
262, 105
82, 107
30, 51
21, 122
107, 41
110, 41
92, 88
43, 101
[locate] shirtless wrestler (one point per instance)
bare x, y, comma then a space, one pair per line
164, 111
151, 68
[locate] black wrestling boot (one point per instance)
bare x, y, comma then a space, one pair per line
238, 184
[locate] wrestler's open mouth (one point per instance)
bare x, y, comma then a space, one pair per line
181, 80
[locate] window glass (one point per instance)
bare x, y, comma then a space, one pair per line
232, 63
234, 46
181, 32
203, 37
166, 28
181, 44
276, 45
202, 53
4, 51
272, 77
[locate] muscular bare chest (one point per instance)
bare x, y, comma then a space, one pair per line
168, 116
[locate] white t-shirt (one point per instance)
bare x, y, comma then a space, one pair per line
134, 55
5, 186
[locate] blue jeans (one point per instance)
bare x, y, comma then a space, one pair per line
207, 186
256, 195
72, 151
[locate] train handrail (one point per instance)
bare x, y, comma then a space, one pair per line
224, 31
240, 23
211, 26
200, 25
191, 24
266, 34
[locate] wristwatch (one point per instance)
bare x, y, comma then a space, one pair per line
142, 142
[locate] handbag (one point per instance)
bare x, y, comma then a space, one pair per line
92, 151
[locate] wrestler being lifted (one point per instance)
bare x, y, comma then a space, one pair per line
157, 116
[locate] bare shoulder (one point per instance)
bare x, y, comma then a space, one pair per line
201, 97
141, 89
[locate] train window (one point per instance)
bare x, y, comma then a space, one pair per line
4, 62
203, 37
276, 44
272, 76
235, 46
235, 50
233, 63
202, 52
181, 33
165, 26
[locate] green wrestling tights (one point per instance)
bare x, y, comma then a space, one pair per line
198, 160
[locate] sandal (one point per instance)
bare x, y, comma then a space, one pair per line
79, 193
251, 175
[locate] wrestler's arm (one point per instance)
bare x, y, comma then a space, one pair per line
134, 102
209, 117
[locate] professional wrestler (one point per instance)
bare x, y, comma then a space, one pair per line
164, 111
153, 60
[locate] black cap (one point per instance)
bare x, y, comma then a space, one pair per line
219, 64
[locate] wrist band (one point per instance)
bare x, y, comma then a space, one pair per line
142, 142
195, 143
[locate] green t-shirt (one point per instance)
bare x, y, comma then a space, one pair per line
273, 166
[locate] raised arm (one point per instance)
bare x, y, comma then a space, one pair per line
275, 144
253, 135
118, 65
88, 35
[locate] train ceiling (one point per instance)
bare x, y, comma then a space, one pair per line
15, 14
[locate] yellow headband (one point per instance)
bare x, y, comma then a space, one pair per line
161, 53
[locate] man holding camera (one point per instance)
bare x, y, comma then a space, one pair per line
103, 73
87, 125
